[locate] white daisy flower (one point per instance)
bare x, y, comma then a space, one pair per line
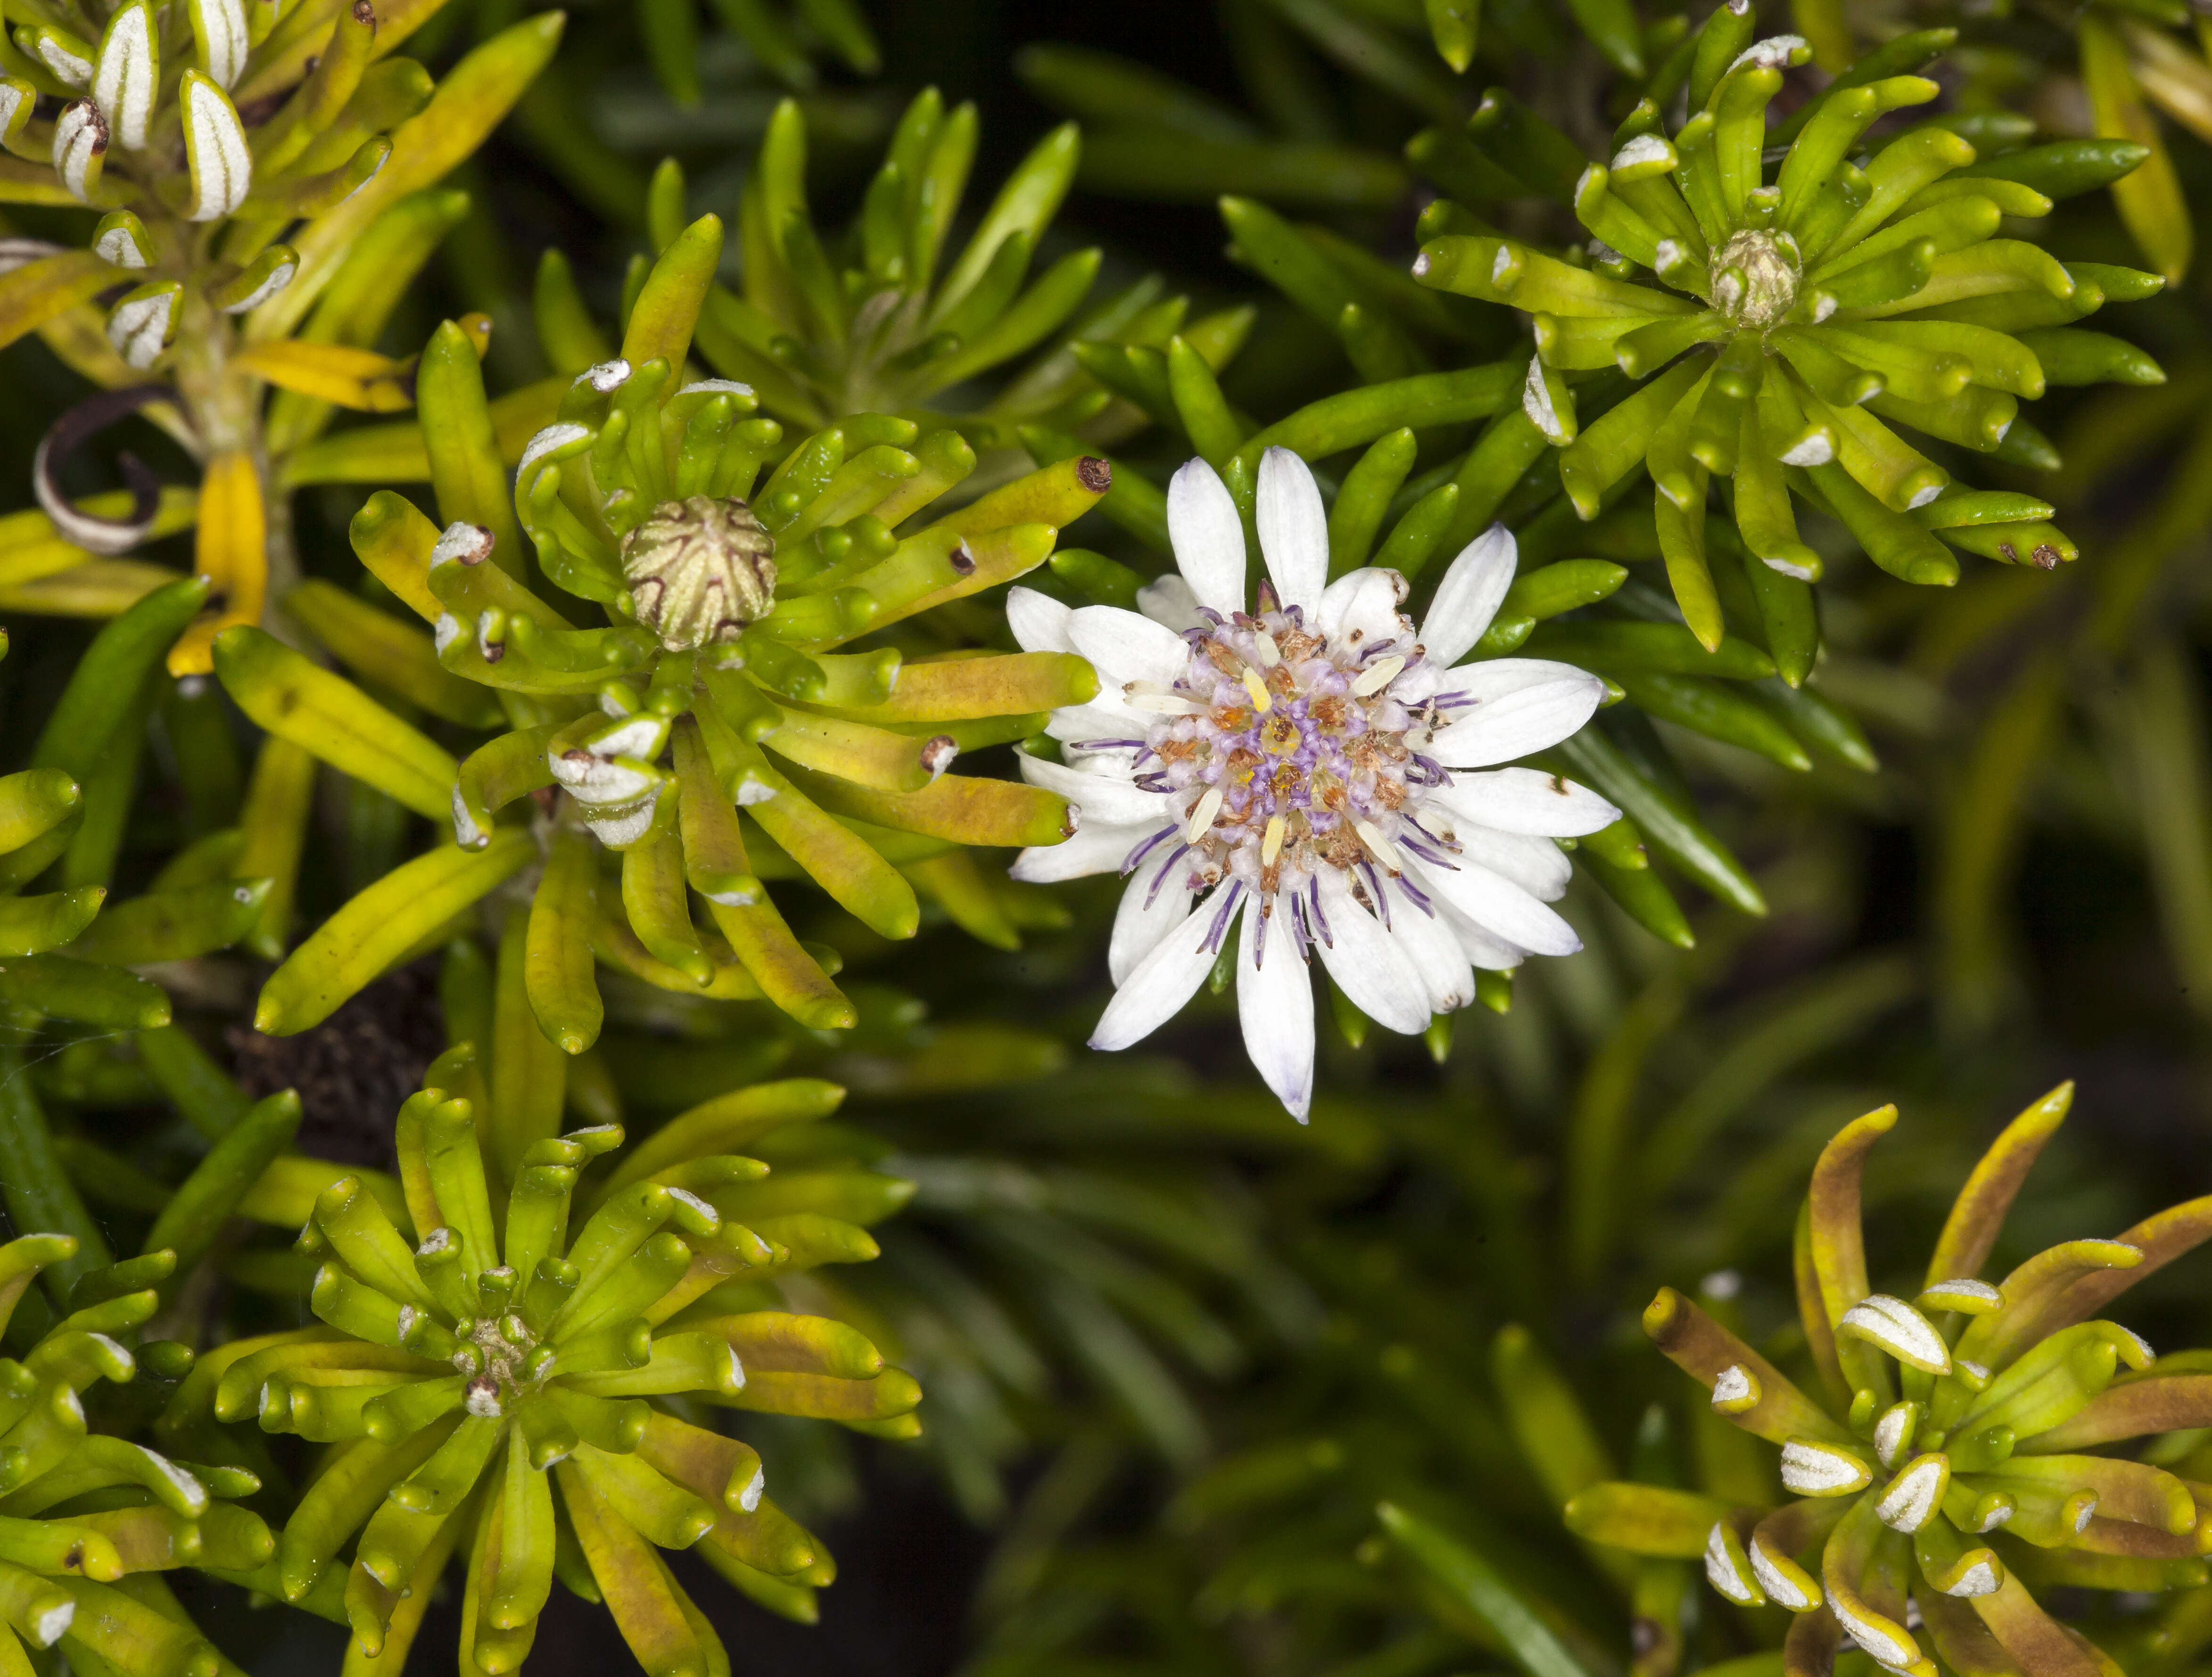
1285, 775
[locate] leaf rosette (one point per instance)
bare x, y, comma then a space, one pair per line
1958, 1462
1782, 334
86, 1515
262, 169
727, 566
509, 1380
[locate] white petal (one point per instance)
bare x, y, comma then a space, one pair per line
1163, 981
1467, 599
1105, 796
1039, 622
1169, 600
1434, 953
1103, 718
1275, 1009
1361, 608
1145, 915
1208, 537
1517, 724
1096, 847
1498, 905
1293, 529
1525, 800
1522, 705
1127, 648
1366, 962
1485, 948
1539, 866
1494, 678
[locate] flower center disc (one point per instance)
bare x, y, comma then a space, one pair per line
1290, 752
1753, 277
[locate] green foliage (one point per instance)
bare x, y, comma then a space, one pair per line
1792, 318
497, 1410
646, 737
1933, 1438
672, 585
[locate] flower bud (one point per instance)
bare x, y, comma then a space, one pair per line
699, 569
1754, 278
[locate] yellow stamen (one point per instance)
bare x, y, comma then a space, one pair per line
1262, 701
1202, 814
1377, 677
1271, 842
1378, 847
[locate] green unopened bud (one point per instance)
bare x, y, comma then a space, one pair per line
699, 569
1754, 278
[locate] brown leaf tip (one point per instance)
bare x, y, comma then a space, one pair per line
1094, 474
